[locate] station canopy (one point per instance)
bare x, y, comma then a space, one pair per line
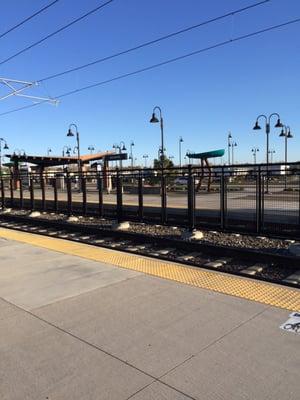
53, 161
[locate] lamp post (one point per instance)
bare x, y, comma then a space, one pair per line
5, 147
49, 150
155, 120
68, 151
233, 145
271, 152
70, 134
131, 154
254, 151
145, 156
267, 130
286, 133
91, 148
121, 148
180, 142
229, 141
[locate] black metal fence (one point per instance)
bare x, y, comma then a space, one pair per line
251, 198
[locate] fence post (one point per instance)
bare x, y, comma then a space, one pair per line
299, 204
191, 198
83, 187
55, 194
258, 200
222, 199
69, 195
163, 197
2, 193
42, 180
140, 194
119, 197
100, 196
11, 183
21, 193
31, 189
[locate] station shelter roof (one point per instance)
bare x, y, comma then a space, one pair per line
52, 161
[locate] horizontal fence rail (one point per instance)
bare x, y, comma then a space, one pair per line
248, 198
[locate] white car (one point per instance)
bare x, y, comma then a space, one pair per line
183, 180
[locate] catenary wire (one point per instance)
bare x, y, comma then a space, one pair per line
172, 60
28, 18
56, 32
151, 42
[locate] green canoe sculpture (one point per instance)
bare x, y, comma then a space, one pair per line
207, 154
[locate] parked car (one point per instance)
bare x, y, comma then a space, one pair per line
183, 180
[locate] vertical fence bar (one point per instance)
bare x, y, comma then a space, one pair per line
31, 190
100, 196
191, 198
141, 199
55, 194
258, 200
42, 183
69, 195
2, 193
11, 184
83, 188
222, 200
262, 195
299, 203
119, 197
163, 197
21, 193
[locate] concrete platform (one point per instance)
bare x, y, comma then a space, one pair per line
72, 328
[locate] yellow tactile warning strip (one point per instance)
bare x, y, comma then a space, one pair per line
273, 295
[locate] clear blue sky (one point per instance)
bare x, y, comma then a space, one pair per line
202, 97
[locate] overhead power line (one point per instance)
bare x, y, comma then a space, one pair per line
57, 31
172, 60
151, 42
28, 19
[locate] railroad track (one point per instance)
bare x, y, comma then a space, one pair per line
275, 268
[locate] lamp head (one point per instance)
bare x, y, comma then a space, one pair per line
70, 133
180, 140
282, 133
256, 126
5, 146
154, 119
278, 124
124, 148
289, 135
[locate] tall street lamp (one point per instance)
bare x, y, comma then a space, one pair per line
145, 156
5, 147
131, 154
254, 151
271, 152
286, 133
155, 120
70, 134
121, 147
229, 141
267, 130
91, 148
180, 142
233, 145
67, 152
